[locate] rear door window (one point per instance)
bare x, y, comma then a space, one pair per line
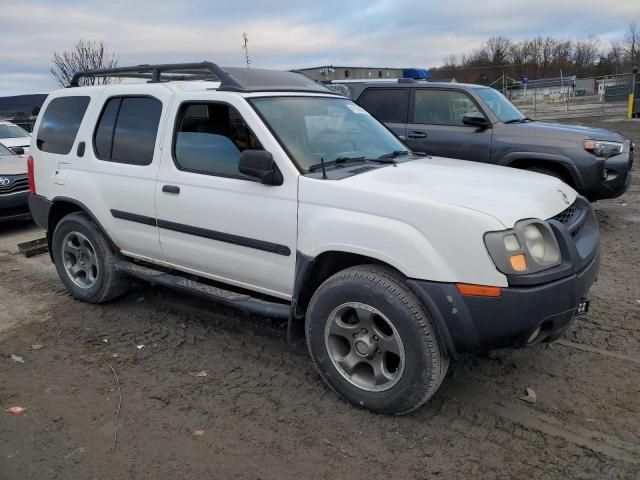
442, 107
127, 130
60, 124
386, 104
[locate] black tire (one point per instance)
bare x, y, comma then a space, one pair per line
426, 362
109, 283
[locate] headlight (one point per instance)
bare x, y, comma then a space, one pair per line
603, 149
529, 247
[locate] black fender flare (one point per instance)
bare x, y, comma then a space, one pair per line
82, 207
566, 163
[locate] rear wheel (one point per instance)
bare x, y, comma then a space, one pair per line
84, 260
373, 342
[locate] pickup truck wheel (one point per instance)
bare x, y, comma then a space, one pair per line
372, 340
84, 260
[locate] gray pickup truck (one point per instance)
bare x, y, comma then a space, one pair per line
473, 122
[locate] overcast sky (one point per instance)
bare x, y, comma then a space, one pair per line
283, 33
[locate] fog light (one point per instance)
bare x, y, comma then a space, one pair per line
605, 173
583, 307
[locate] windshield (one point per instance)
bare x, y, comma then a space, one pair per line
314, 129
12, 131
5, 151
499, 105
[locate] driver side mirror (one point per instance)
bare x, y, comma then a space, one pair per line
476, 119
17, 150
259, 164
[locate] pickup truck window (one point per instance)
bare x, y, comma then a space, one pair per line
386, 104
442, 107
499, 105
209, 138
312, 129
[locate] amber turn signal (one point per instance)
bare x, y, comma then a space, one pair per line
518, 262
478, 290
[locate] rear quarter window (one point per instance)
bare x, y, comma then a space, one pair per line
60, 123
386, 104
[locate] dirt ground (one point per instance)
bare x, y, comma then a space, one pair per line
262, 412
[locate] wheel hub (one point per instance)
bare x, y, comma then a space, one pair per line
364, 346
80, 260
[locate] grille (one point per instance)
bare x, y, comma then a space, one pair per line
18, 185
566, 215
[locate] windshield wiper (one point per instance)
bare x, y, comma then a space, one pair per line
339, 160
394, 154
520, 120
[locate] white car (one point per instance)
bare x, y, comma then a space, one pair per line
267, 191
14, 137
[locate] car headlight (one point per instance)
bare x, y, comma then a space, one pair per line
529, 247
603, 149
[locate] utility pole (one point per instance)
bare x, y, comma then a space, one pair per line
245, 47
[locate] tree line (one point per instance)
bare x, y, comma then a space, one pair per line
543, 57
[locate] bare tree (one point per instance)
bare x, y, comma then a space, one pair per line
86, 55
632, 43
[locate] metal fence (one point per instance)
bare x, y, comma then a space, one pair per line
572, 97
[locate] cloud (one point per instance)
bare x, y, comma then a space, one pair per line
284, 33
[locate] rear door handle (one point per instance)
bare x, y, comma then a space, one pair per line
417, 134
171, 189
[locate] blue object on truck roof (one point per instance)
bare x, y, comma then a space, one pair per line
416, 73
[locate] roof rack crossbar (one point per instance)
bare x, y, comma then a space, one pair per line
174, 71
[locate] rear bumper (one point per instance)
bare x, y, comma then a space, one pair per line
477, 324
39, 207
13, 206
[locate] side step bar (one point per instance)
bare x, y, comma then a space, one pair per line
241, 301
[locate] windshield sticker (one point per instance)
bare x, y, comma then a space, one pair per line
356, 108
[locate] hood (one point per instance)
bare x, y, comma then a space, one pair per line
507, 194
13, 165
546, 128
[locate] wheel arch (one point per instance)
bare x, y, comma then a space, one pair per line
556, 163
63, 206
310, 272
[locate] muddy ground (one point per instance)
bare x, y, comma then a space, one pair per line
262, 412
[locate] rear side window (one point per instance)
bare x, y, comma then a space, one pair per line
209, 138
386, 104
60, 123
442, 107
127, 130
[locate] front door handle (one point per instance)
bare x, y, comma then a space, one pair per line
171, 189
417, 134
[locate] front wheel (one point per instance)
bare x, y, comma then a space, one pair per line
373, 342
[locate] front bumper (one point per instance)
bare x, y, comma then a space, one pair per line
477, 324
618, 176
13, 206
546, 300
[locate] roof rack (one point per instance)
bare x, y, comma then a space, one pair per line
231, 79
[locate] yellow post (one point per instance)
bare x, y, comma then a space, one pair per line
632, 94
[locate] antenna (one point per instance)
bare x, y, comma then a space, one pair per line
324, 173
245, 47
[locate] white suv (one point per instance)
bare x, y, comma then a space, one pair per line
267, 191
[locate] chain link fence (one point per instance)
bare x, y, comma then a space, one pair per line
572, 97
